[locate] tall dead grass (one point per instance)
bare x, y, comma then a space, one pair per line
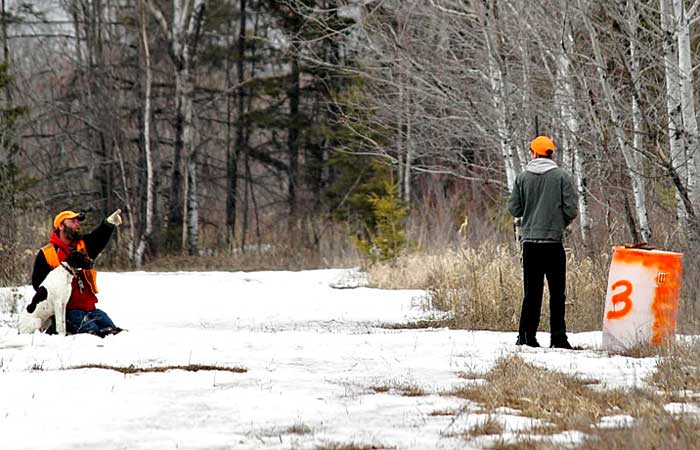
678, 372
562, 402
481, 287
662, 432
314, 245
19, 248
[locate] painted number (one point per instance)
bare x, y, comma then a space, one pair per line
621, 298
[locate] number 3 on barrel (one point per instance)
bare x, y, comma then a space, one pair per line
621, 297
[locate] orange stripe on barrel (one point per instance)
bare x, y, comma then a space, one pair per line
668, 287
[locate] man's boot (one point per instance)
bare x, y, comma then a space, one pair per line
529, 340
560, 341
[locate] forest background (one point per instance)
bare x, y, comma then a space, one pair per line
259, 134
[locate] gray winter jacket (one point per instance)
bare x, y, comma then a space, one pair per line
545, 197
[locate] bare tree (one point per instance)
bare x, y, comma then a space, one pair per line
182, 33
499, 95
610, 95
145, 236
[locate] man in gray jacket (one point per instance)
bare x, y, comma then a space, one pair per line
545, 197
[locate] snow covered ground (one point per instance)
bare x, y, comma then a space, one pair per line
312, 354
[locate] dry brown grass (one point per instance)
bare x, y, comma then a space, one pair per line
420, 324
482, 287
567, 402
266, 258
160, 369
662, 432
470, 375
19, 245
678, 371
524, 444
353, 446
413, 271
310, 245
643, 350
444, 412
405, 389
489, 426
299, 428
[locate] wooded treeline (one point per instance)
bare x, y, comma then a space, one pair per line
219, 124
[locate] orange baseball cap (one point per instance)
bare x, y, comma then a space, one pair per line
542, 145
63, 215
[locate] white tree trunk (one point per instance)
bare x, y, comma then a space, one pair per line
400, 140
192, 206
636, 175
564, 98
575, 159
638, 180
673, 102
499, 95
150, 183
522, 152
404, 155
409, 153
685, 72
182, 33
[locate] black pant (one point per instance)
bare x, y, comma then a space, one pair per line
542, 260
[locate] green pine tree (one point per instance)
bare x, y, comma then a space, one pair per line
387, 228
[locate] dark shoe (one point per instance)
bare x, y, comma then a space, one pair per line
530, 341
560, 342
104, 332
111, 330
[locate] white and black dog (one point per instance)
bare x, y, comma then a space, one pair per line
52, 296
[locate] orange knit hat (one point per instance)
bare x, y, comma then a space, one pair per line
542, 145
63, 215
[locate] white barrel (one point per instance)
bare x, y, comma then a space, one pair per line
641, 303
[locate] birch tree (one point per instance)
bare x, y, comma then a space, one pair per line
565, 98
685, 72
182, 33
144, 237
232, 154
610, 96
636, 155
680, 103
674, 124
683, 125
497, 75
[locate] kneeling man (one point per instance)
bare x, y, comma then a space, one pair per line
81, 314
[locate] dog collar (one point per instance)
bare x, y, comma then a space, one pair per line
69, 269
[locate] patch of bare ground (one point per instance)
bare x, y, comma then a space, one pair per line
565, 402
525, 444
353, 446
405, 389
489, 426
444, 412
158, 369
299, 428
470, 375
420, 324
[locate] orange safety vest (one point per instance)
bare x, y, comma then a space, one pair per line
52, 259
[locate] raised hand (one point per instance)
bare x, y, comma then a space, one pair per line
115, 218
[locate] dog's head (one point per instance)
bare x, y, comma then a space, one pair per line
79, 260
